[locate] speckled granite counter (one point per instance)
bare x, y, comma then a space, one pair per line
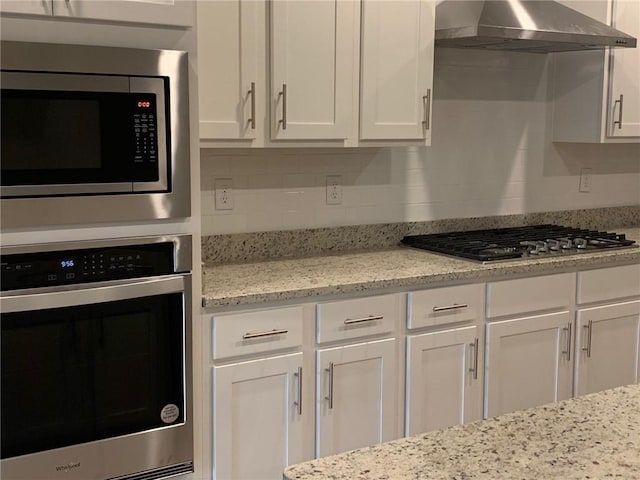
591, 437
289, 279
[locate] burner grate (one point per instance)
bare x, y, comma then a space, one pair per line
517, 242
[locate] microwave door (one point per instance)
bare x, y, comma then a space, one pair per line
66, 134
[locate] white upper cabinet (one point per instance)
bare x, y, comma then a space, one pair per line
311, 61
160, 12
396, 70
597, 94
624, 89
231, 76
315, 72
33, 7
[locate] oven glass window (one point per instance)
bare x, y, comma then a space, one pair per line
77, 374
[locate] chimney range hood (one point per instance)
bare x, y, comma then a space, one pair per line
536, 26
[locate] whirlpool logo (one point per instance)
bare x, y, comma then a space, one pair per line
69, 466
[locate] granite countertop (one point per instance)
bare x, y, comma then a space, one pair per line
288, 279
589, 437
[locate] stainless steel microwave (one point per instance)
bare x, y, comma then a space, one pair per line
93, 134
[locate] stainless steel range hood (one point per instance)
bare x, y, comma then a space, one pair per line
537, 26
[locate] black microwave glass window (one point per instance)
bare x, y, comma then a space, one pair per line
79, 374
69, 137
50, 134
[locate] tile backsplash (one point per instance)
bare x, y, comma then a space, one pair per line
490, 155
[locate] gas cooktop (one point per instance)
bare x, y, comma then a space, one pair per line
518, 242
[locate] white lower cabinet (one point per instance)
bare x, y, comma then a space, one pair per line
444, 383
542, 339
607, 347
260, 425
528, 362
356, 392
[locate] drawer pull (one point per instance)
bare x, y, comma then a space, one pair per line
455, 306
370, 318
268, 333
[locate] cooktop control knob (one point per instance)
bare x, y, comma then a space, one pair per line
541, 247
566, 244
553, 245
580, 243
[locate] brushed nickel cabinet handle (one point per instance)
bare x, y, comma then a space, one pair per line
330, 395
455, 306
619, 121
589, 328
283, 94
268, 333
426, 101
370, 318
298, 403
568, 349
252, 119
474, 369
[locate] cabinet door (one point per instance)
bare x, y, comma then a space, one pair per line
257, 424
396, 69
311, 68
34, 7
528, 362
356, 396
231, 69
444, 381
624, 89
163, 12
607, 341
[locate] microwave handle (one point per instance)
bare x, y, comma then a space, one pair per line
86, 294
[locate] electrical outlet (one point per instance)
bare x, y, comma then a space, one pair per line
224, 193
334, 189
585, 180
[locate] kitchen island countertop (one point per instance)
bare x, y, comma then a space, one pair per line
595, 436
357, 272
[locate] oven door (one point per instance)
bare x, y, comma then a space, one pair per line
94, 380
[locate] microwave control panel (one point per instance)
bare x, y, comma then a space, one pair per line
145, 129
41, 269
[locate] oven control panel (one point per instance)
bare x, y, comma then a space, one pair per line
41, 269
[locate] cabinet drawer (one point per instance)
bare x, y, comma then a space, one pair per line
524, 295
356, 318
441, 306
608, 283
255, 332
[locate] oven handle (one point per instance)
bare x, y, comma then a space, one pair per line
71, 297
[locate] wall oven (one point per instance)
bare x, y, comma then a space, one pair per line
93, 134
96, 360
